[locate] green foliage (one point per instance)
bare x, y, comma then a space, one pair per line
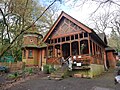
48, 69
19, 14
114, 41
16, 74
30, 70
4, 69
11, 76
51, 69
118, 63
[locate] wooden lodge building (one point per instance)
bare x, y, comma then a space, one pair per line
67, 37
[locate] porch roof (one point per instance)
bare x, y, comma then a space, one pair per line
109, 49
43, 45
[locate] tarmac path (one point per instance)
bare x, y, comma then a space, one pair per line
103, 82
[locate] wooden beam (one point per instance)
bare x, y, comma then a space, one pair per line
61, 50
70, 47
47, 53
92, 47
53, 50
89, 44
79, 47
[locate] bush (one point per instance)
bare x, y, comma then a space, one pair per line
4, 69
28, 70
48, 69
51, 69
10, 76
118, 63
16, 74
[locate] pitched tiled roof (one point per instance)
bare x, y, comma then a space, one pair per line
103, 37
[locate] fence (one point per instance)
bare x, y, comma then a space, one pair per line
12, 65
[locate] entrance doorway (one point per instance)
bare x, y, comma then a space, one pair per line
66, 50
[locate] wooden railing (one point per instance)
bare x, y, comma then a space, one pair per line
54, 60
83, 59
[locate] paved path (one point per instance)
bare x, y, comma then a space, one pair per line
103, 82
2, 79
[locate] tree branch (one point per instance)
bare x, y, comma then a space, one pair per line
4, 21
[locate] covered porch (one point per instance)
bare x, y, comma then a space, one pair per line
80, 45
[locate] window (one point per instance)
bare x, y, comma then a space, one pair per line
30, 53
76, 36
81, 35
55, 40
50, 51
63, 39
67, 38
58, 40
84, 47
72, 37
85, 34
48, 41
51, 41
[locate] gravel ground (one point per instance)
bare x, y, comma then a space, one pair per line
103, 82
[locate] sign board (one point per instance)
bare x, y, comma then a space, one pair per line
78, 64
79, 57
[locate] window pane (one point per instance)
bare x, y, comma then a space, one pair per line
85, 34
30, 53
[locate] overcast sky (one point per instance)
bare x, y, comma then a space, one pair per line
81, 13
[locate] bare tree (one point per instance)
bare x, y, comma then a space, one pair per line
101, 21
99, 3
116, 23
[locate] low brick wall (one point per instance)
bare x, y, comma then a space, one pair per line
95, 70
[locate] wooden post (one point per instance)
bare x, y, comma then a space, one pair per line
61, 50
79, 47
53, 50
70, 47
89, 44
105, 64
47, 52
92, 48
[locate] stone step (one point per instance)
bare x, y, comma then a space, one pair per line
57, 74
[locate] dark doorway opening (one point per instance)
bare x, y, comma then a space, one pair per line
66, 50
75, 49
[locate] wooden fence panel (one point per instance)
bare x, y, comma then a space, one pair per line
13, 66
